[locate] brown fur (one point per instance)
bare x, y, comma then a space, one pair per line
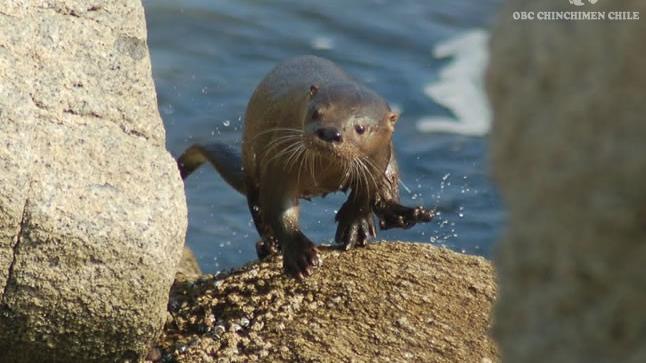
310, 129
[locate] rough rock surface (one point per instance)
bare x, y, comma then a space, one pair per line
188, 267
569, 149
396, 302
92, 210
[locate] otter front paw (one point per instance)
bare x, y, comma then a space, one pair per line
355, 228
300, 256
394, 215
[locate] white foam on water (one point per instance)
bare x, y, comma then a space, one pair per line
322, 43
460, 86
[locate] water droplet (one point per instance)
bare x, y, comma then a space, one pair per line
167, 109
226, 123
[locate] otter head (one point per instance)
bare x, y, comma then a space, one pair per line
347, 121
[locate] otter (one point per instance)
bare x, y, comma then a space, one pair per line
310, 129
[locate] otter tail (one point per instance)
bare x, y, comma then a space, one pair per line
225, 159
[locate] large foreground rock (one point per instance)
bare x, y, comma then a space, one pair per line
569, 147
92, 212
388, 302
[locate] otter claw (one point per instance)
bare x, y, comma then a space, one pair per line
398, 216
354, 232
300, 258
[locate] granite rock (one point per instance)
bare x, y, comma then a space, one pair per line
92, 209
388, 302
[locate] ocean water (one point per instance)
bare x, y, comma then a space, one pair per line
425, 57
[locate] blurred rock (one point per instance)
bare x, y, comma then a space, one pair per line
397, 302
569, 152
92, 210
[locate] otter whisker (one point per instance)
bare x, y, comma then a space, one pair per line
346, 174
286, 154
294, 156
311, 165
362, 179
301, 162
356, 179
282, 139
281, 142
370, 170
286, 130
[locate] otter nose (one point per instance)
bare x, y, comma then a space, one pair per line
329, 134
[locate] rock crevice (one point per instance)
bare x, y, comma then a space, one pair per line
14, 250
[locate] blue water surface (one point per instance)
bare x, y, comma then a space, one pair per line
208, 56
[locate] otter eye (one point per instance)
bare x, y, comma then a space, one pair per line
316, 115
360, 129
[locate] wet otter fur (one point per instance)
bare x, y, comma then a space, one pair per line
310, 129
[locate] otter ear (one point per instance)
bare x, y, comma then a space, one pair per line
313, 90
392, 118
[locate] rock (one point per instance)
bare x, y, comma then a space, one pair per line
92, 209
188, 267
396, 302
569, 152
